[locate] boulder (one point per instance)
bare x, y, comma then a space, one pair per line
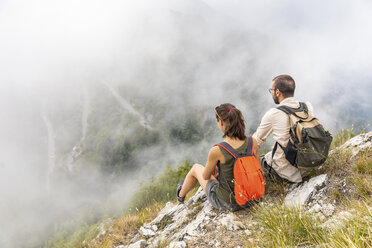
139, 244
300, 194
358, 143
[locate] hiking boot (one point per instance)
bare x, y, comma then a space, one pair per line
179, 187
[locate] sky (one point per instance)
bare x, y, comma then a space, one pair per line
186, 53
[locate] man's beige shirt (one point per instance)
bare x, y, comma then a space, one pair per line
276, 122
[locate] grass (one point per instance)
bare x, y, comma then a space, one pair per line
357, 231
342, 136
124, 228
362, 174
336, 163
67, 238
161, 244
161, 190
283, 226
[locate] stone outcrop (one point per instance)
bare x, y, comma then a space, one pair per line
182, 225
358, 143
300, 194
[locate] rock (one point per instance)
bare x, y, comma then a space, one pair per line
195, 227
337, 221
230, 223
328, 210
135, 238
179, 244
299, 195
146, 232
139, 244
199, 196
253, 240
189, 219
358, 143
315, 209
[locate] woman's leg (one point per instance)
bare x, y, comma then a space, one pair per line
195, 175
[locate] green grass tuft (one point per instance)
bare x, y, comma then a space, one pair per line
342, 136
282, 226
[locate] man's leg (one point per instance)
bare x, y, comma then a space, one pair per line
270, 173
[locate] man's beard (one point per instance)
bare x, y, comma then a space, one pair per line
276, 100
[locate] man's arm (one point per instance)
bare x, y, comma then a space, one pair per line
264, 129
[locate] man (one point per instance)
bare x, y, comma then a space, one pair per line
275, 121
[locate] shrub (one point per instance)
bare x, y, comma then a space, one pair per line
161, 190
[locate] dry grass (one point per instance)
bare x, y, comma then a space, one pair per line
122, 230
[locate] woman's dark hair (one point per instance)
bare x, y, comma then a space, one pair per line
233, 119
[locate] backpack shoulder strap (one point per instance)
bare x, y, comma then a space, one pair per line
229, 149
250, 146
292, 111
286, 109
304, 107
235, 155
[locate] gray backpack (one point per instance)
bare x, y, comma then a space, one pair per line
309, 143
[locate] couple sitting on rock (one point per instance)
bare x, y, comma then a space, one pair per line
275, 165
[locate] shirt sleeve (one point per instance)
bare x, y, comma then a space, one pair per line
264, 129
310, 107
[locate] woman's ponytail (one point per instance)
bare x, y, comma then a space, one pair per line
233, 119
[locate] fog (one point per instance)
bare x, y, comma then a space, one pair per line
188, 55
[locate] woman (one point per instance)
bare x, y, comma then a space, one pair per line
232, 124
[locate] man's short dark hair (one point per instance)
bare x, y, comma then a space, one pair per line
285, 84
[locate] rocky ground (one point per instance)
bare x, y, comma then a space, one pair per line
196, 224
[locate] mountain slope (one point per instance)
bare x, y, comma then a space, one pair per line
332, 208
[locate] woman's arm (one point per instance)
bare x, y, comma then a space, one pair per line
213, 157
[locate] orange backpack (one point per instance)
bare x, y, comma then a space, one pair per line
249, 184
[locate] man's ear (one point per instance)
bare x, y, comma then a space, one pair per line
277, 92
